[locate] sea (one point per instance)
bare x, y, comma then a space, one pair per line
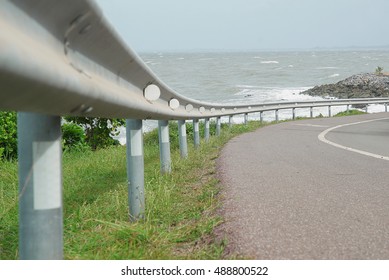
260, 76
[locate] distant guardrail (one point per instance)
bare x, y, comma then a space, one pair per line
61, 58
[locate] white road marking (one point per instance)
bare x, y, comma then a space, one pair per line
323, 139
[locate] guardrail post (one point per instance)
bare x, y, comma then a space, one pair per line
246, 118
135, 169
276, 113
261, 116
206, 130
294, 113
311, 112
329, 111
366, 109
230, 121
164, 146
40, 187
218, 126
386, 107
182, 139
196, 133
348, 108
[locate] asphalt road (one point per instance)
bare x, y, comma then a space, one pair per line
289, 195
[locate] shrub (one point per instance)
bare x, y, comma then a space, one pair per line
73, 137
8, 135
379, 70
98, 131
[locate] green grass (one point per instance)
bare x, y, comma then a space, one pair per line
352, 112
8, 210
180, 207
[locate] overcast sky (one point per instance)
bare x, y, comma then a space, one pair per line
190, 25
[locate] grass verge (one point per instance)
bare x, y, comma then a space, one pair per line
352, 112
180, 207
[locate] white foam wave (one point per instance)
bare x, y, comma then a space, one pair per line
269, 62
334, 75
255, 94
247, 86
326, 67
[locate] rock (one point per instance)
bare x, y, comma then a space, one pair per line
356, 86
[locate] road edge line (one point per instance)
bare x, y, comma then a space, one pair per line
322, 138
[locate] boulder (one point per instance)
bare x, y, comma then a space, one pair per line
356, 86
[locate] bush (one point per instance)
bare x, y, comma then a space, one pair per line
98, 131
8, 135
73, 137
378, 70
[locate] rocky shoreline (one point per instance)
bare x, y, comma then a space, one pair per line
356, 86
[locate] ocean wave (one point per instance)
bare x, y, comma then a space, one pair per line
247, 86
334, 75
269, 62
271, 94
326, 67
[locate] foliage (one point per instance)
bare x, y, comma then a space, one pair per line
73, 137
8, 135
349, 113
99, 131
379, 70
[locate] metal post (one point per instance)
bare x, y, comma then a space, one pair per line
311, 112
348, 108
164, 146
196, 133
294, 113
366, 109
386, 107
276, 113
329, 111
246, 118
261, 116
230, 121
182, 139
206, 130
135, 169
218, 126
40, 187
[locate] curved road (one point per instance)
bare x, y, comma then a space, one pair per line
290, 195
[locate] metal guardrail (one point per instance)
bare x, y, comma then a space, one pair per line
62, 58
65, 53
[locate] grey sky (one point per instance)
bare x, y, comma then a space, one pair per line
161, 25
